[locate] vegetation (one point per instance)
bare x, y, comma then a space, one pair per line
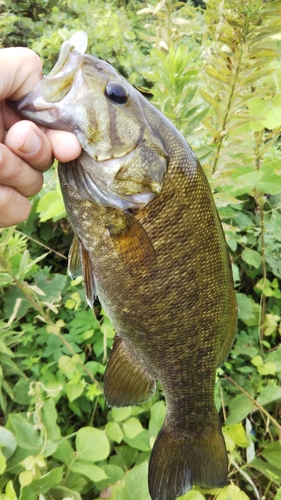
215, 73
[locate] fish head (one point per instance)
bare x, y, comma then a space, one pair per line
87, 96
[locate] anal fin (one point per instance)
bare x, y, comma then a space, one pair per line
127, 381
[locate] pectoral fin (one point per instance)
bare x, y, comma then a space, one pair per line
79, 263
127, 381
74, 261
132, 242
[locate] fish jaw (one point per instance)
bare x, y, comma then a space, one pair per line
51, 102
73, 97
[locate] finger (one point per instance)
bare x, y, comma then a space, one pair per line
28, 142
18, 174
21, 70
66, 146
14, 208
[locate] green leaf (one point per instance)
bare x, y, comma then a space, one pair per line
42, 485
120, 414
51, 206
8, 442
49, 418
26, 435
92, 444
113, 473
252, 257
248, 310
135, 482
240, 407
61, 492
64, 452
269, 470
74, 389
2, 463
271, 392
132, 427
272, 453
158, 412
257, 361
140, 442
192, 495
114, 431
273, 117
278, 495
10, 492
267, 369
238, 434
91, 471
232, 492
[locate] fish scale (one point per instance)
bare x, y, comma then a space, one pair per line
149, 243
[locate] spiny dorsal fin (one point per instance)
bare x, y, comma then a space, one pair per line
127, 381
79, 263
132, 242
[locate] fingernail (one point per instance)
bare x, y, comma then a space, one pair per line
32, 144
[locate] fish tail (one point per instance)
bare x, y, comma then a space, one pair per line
180, 460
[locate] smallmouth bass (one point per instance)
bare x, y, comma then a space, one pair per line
149, 243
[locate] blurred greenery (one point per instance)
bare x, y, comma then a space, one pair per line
214, 71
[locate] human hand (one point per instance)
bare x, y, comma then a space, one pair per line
26, 150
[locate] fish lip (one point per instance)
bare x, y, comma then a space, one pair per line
27, 100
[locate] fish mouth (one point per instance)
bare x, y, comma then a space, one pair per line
57, 84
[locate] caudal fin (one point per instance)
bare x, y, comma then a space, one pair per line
180, 460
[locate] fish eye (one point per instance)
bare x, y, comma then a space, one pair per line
116, 92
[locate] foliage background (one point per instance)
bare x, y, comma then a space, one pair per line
214, 70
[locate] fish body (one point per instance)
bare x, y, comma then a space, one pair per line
149, 243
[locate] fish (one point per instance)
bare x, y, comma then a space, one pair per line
149, 244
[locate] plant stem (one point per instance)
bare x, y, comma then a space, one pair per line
260, 408
41, 244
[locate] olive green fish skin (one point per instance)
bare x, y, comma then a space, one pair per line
162, 273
